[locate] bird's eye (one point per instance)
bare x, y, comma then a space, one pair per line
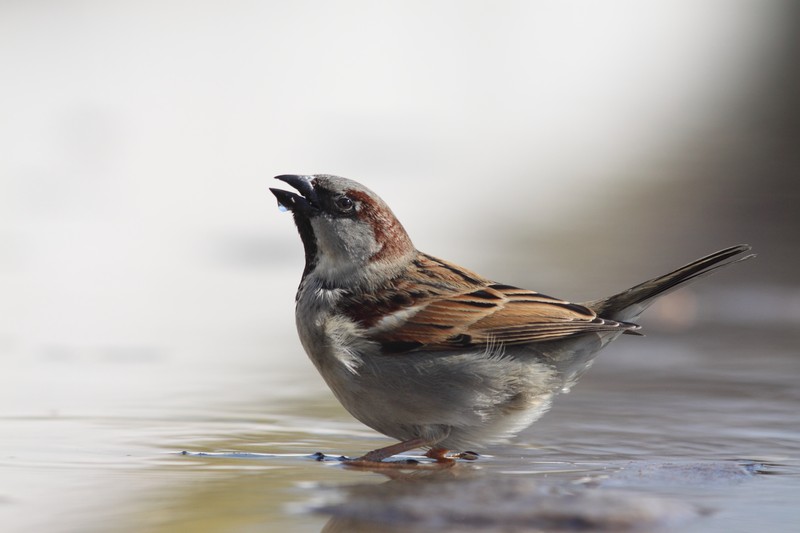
344, 204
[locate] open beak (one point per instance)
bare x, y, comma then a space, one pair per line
304, 203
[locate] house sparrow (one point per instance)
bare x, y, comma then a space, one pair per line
428, 352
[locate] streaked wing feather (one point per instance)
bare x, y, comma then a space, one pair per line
467, 310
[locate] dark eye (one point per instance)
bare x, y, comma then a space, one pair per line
344, 204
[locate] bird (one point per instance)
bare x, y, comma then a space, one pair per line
428, 352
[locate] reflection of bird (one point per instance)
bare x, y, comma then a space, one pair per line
426, 351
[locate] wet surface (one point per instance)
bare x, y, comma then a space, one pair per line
698, 429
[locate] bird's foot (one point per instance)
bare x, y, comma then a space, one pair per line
375, 458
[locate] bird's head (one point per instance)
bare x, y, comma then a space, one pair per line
351, 237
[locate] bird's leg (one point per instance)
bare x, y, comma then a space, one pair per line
375, 458
382, 453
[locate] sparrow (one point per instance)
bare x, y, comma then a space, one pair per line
428, 352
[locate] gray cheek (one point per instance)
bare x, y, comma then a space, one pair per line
328, 241
346, 240
363, 241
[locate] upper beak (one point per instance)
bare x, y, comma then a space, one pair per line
304, 204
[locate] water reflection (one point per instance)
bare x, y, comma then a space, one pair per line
469, 497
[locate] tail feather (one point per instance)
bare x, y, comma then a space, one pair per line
629, 304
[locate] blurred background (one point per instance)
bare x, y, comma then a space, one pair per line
572, 147
562, 145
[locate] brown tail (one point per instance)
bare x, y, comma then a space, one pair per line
628, 305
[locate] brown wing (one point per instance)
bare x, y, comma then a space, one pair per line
450, 307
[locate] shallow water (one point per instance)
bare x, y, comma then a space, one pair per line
697, 428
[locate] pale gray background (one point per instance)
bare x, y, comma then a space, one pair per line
573, 147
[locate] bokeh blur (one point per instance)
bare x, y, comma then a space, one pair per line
573, 147
583, 138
